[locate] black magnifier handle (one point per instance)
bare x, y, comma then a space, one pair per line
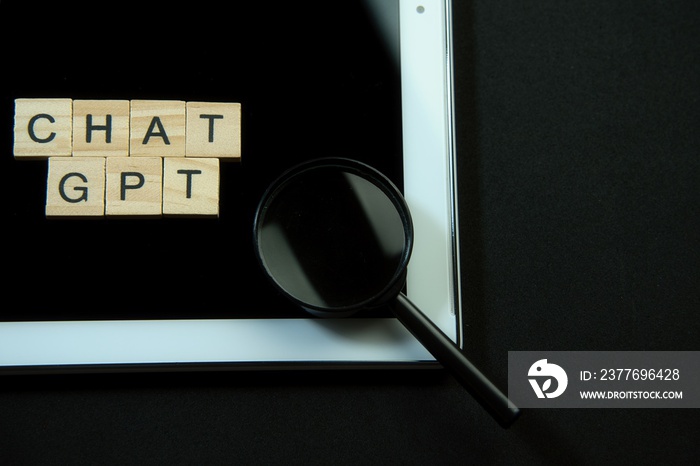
452, 359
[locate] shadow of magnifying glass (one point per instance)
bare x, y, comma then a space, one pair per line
335, 236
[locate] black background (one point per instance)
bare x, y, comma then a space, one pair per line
297, 103
577, 132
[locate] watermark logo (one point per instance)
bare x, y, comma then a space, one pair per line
542, 370
604, 379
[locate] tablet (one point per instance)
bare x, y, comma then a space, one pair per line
369, 80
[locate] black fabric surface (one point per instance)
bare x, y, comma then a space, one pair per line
579, 163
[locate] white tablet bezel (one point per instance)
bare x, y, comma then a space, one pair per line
432, 282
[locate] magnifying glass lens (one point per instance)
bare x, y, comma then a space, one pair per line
332, 238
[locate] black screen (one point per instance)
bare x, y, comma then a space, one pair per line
314, 80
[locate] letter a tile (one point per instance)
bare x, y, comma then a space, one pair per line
157, 128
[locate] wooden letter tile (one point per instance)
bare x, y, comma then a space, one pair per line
134, 186
75, 186
157, 128
214, 130
43, 128
191, 186
100, 128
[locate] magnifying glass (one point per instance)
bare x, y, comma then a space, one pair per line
335, 236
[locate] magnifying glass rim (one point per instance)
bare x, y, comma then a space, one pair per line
377, 179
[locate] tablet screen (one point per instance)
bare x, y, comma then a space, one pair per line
313, 80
